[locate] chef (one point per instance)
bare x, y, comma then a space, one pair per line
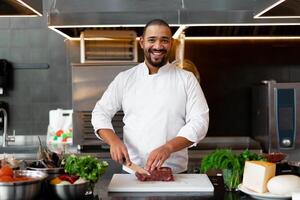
165, 110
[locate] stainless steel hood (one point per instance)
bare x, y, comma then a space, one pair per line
70, 17
21, 8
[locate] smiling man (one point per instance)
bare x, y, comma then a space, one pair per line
165, 110
157, 43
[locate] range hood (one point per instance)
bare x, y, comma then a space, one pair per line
71, 17
21, 8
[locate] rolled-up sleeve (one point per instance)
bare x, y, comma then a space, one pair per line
197, 113
107, 106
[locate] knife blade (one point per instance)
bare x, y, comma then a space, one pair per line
137, 168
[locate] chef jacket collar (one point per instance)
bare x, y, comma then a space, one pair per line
161, 70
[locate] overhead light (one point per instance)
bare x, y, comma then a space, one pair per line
247, 24
282, 9
179, 31
26, 4
245, 38
21, 8
58, 28
258, 15
62, 33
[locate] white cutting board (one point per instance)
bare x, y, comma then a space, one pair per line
182, 183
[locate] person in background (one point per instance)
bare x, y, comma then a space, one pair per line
165, 110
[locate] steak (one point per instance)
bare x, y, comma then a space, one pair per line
160, 174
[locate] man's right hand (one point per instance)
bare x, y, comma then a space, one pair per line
118, 150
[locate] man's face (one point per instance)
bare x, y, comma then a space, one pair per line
157, 44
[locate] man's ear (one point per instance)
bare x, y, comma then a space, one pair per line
141, 42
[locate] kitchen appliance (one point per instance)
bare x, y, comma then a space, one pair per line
182, 183
89, 81
98, 46
276, 116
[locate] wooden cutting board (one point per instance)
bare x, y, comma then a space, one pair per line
182, 183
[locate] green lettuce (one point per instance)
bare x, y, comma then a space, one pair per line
87, 167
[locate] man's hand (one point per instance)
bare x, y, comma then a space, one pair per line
157, 157
118, 150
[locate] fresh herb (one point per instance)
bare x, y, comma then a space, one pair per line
219, 159
248, 155
232, 165
87, 167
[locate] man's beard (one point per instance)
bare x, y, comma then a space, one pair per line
156, 63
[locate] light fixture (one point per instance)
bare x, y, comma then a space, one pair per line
33, 5
21, 8
246, 38
179, 31
58, 29
281, 9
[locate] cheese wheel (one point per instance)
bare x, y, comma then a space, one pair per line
284, 184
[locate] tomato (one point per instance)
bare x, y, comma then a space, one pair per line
6, 171
59, 133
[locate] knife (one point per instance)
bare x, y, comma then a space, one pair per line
137, 168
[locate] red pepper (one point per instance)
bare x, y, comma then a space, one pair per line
69, 178
59, 133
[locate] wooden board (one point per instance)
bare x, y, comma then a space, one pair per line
182, 183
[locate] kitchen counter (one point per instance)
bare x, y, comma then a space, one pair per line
101, 190
195, 155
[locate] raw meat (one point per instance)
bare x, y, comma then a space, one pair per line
161, 174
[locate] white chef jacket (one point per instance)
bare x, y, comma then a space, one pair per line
157, 108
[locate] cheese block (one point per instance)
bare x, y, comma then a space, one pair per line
257, 174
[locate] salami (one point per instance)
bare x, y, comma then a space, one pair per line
160, 174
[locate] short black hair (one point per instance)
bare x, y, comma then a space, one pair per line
156, 22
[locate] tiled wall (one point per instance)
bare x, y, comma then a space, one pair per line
30, 45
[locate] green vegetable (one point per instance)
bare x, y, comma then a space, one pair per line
87, 167
232, 165
248, 155
232, 178
219, 159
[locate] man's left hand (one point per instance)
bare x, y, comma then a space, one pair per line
157, 157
